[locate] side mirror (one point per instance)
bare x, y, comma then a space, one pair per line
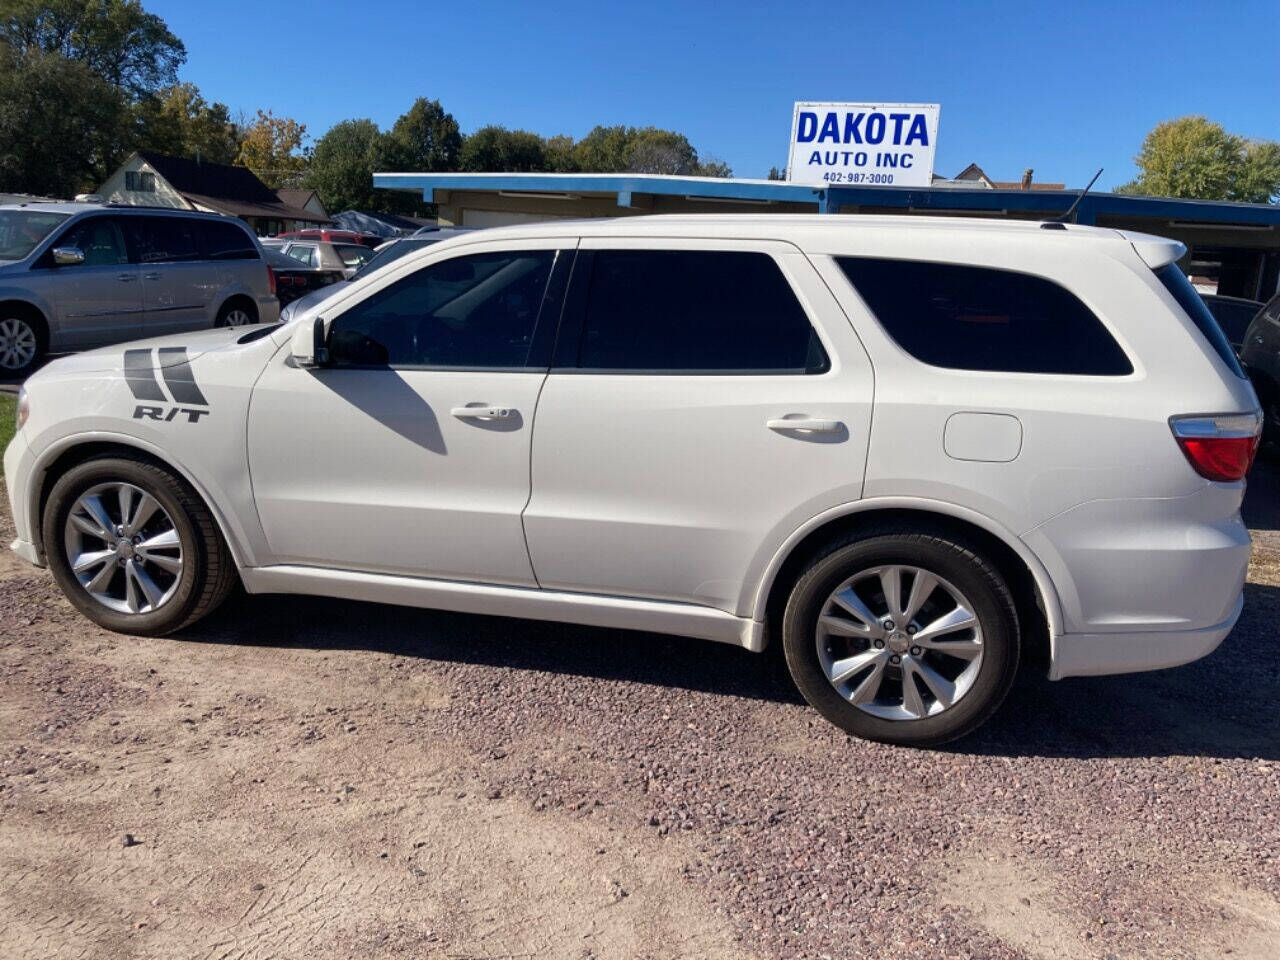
68, 256
309, 347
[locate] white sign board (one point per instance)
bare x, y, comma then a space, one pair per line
864, 144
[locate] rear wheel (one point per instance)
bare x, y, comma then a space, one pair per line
236, 313
906, 638
21, 343
134, 548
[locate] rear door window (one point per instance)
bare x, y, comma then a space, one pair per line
1176, 282
167, 239
226, 241
693, 311
978, 318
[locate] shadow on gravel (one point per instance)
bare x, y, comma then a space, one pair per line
1222, 706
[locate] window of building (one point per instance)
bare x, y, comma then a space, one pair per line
977, 318
474, 312
695, 311
139, 182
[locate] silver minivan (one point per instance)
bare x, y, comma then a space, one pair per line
77, 275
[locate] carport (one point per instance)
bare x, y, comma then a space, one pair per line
1233, 245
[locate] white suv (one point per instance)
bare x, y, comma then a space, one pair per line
913, 450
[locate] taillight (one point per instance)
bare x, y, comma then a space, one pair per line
271, 280
1219, 448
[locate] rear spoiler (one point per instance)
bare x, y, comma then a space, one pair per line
1156, 252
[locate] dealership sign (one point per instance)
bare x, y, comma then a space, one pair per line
866, 144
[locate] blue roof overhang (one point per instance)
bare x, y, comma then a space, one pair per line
625, 186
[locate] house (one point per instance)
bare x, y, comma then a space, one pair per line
157, 180
974, 175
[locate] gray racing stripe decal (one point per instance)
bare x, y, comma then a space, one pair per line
178, 376
141, 377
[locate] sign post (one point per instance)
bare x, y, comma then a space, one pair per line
865, 144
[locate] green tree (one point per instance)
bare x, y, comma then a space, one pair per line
61, 126
116, 40
424, 139
559, 151
342, 166
1195, 158
621, 149
497, 149
271, 147
180, 122
776, 174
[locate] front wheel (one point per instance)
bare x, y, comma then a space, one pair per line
21, 344
134, 548
907, 638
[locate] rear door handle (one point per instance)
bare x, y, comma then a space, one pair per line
808, 424
151, 276
483, 413
127, 277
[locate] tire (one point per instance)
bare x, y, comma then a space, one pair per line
990, 647
236, 312
206, 573
23, 342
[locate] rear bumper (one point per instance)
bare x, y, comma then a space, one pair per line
1097, 654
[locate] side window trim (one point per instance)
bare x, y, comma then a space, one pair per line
545, 328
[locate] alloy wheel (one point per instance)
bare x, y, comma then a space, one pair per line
899, 642
123, 548
17, 343
235, 317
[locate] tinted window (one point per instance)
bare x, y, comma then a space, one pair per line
975, 318
226, 241
476, 311
687, 310
166, 239
1234, 318
99, 239
1176, 282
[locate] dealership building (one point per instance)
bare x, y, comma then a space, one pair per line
1234, 248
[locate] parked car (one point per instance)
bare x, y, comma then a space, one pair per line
1260, 354
346, 258
912, 451
294, 279
333, 236
78, 275
1234, 314
387, 253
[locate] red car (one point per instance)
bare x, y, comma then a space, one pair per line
333, 236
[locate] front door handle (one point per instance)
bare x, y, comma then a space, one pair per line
127, 277
483, 412
808, 424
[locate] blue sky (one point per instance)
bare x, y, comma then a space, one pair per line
1064, 89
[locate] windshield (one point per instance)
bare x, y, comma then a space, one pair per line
21, 231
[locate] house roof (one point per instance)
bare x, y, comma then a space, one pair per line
297, 198
225, 188
975, 172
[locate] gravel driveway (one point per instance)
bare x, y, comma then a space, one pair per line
314, 778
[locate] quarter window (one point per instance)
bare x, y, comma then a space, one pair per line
474, 312
226, 241
977, 318
694, 311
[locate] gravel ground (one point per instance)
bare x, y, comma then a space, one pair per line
302, 778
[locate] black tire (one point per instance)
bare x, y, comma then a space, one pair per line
208, 572
233, 305
30, 324
975, 577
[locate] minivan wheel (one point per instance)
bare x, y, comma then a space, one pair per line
134, 548
21, 344
235, 313
907, 638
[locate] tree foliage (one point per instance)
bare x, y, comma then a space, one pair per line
621, 149
342, 166
1195, 158
425, 138
496, 149
270, 147
116, 40
180, 122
